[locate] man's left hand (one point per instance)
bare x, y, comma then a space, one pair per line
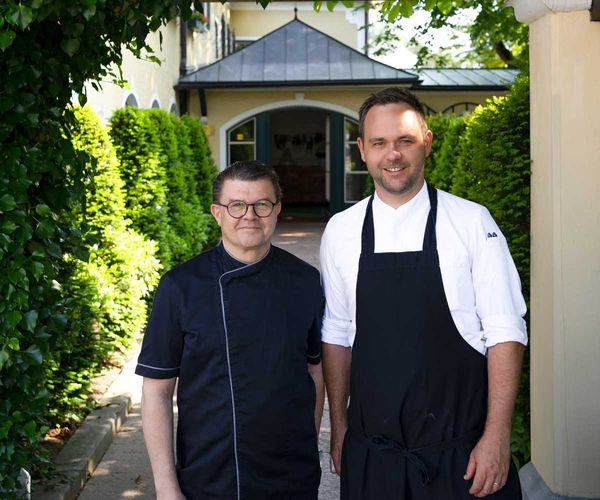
488, 465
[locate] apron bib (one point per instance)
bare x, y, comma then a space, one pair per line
418, 390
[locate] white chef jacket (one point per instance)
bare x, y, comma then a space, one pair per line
480, 279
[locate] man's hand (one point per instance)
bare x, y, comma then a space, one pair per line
490, 459
336, 368
335, 447
172, 494
488, 465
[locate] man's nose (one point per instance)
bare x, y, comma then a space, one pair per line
393, 153
250, 213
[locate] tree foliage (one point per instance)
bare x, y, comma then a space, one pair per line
50, 48
497, 38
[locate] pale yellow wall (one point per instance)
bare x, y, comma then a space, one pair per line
148, 80
249, 20
225, 105
565, 266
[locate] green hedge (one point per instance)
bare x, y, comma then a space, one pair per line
107, 293
49, 49
493, 168
168, 174
445, 154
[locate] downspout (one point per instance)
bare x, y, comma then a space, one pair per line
366, 29
528, 11
182, 94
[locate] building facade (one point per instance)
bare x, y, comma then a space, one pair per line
283, 86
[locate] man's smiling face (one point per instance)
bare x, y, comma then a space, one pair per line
394, 147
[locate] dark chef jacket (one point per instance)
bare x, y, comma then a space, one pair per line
239, 338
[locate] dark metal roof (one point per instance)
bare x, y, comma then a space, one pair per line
295, 54
465, 79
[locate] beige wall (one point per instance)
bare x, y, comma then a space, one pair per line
227, 106
147, 80
565, 289
250, 20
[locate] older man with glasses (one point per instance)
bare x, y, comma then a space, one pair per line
239, 327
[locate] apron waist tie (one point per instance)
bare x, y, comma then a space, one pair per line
383, 443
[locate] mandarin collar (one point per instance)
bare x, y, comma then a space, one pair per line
420, 200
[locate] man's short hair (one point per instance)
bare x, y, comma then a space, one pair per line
247, 170
391, 95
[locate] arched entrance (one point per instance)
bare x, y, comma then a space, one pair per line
312, 148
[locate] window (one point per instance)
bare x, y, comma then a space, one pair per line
155, 104
355, 170
173, 109
242, 144
460, 108
131, 101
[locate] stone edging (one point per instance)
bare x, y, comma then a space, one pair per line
84, 450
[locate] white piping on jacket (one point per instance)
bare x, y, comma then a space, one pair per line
235, 450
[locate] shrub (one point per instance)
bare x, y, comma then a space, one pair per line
188, 220
145, 177
493, 169
49, 50
205, 172
106, 293
445, 155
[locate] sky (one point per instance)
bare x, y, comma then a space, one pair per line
403, 57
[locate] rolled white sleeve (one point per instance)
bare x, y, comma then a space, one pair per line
498, 297
337, 319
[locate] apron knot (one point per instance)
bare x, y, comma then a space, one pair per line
382, 443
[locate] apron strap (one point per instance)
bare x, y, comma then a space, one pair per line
368, 230
382, 443
429, 239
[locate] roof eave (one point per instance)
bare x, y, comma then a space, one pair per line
298, 83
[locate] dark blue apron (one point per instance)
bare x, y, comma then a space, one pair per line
418, 390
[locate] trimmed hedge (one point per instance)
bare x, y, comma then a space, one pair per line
145, 178
168, 174
49, 50
493, 168
107, 293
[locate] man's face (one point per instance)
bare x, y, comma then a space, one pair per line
394, 147
247, 238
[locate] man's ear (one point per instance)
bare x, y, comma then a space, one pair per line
217, 212
359, 141
427, 140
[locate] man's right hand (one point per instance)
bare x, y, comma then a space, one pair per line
173, 494
335, 446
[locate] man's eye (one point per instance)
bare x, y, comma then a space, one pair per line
237, 204
262, 204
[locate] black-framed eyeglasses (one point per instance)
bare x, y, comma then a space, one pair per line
237, 208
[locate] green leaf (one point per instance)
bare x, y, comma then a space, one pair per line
331, 5
37, 269
21, 17
30, 320
6, 38
70, 46
45, 228
317, 4
29, 429
7, 202
3, 358
43, 210
34, 354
